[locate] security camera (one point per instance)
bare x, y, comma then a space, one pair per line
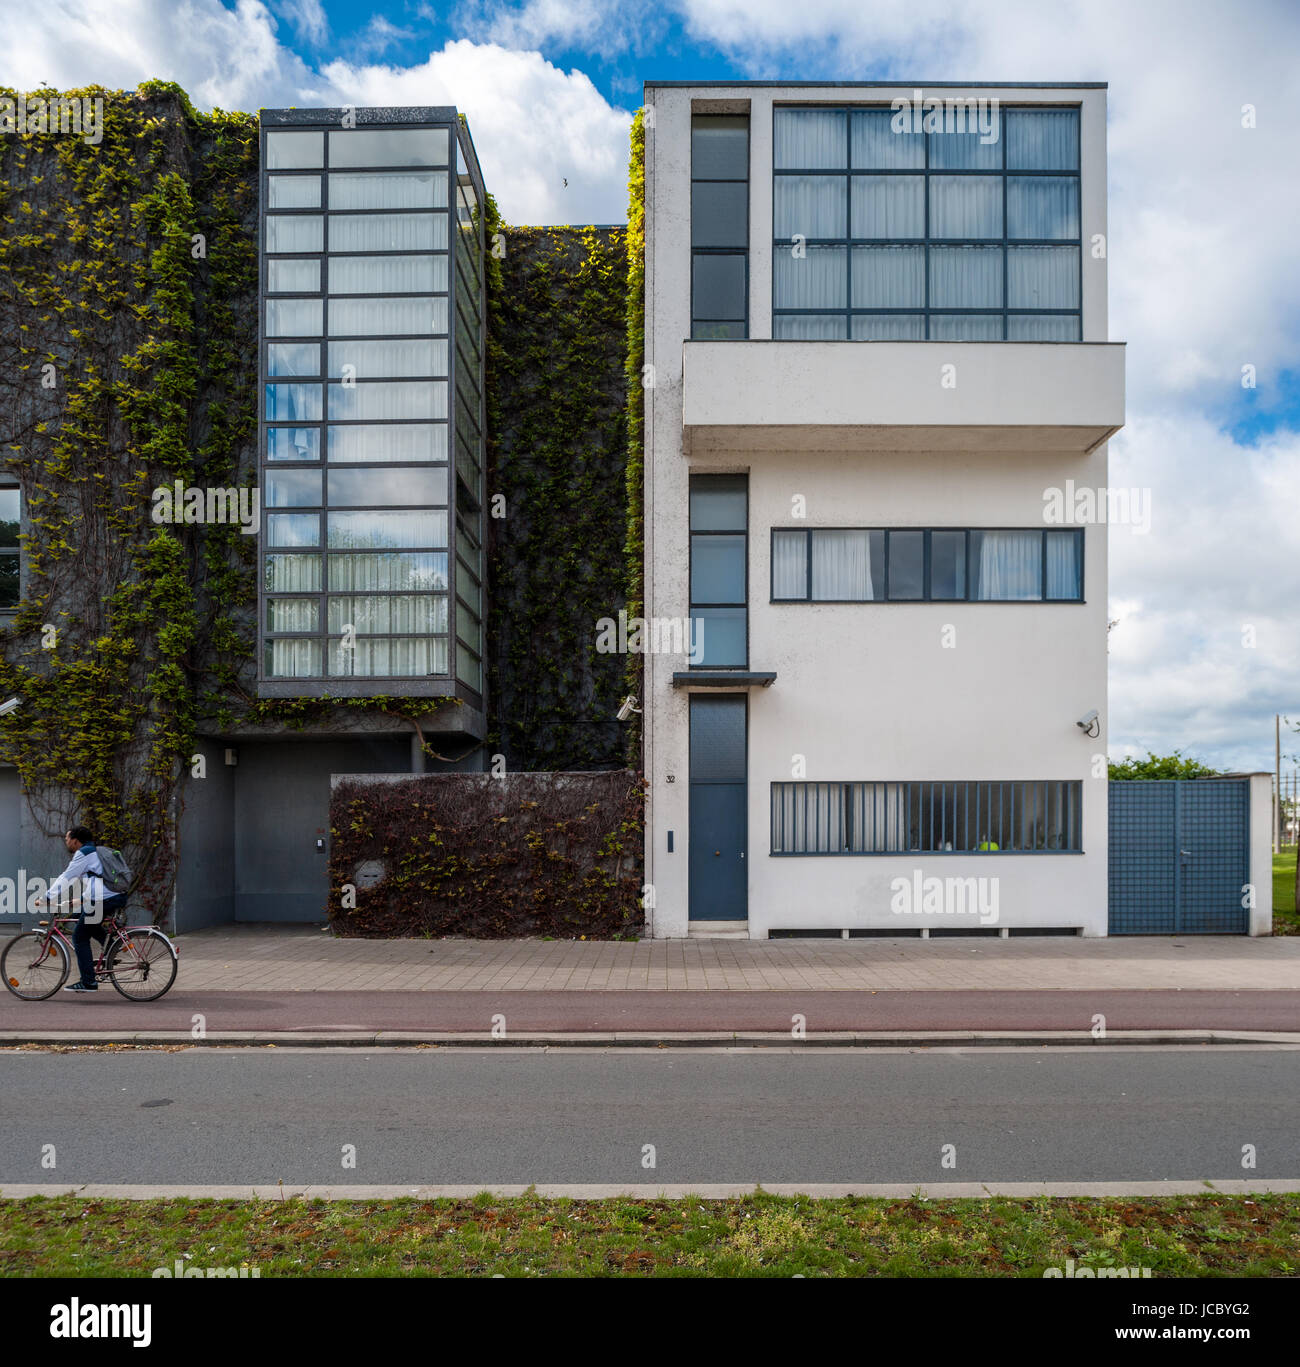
11, 706
1088, 723
628, 707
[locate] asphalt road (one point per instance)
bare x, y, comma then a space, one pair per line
504, 1116
1153, 1009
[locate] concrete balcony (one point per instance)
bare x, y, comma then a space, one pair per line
1065, 397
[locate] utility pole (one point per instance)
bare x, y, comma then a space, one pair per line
1277, 766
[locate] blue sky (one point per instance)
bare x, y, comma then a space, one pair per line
1203, 148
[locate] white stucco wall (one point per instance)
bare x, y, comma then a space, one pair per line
866, 692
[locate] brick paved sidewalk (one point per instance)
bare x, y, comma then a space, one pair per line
298, 958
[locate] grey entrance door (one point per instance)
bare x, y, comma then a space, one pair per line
719, 799
1179, 856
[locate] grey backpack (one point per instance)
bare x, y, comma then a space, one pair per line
117, 877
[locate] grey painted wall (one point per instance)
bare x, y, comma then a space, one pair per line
9, 838
205, 872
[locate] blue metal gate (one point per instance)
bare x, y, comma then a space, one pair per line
1179, 856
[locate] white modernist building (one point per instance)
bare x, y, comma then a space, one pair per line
881, 380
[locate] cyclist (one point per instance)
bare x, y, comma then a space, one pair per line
85, 868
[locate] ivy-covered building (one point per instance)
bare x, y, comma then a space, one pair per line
310, 466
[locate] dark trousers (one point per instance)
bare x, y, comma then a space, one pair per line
81, 938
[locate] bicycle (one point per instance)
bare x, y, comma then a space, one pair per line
140, 961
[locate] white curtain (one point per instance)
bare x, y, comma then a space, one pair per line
1043, 277
389, 190
841, 565
966, 277
1043, 140
888, 206
1063, 565
876, 147
1009, 566
368, 317
1042, 206
388, 232
293, 529
293, 192
293, 317
403, 614
409, 442
878, 818
384, 658
965, 206
809, 327
888, 277
293, 659
812, 206
388, 571
790, 565
810, 139
292, 277
377, 400
397, 528
965, 327
292, 573
293, 358
809, 817
966, 151
294, 232
293, 614
373, 360
816, 280
387, 274
888, 327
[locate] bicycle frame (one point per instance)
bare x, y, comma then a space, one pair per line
114, 934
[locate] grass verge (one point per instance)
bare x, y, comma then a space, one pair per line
760, 1235
1286, 921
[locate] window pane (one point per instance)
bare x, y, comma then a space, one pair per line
968, 150
387, 274
877, 147
292, 489
292, 659
293, 358
720, 633
947, 564
378, 360
717, 332
388, 571
719, 504
1006, 566
718, 569
789, 564
362, 317
292, 277
888, 327
1042, 206
817, 280
965, 277
1043, 277
293, 402
386, 488
719, 287
9, 579
294, 150
388, 232
965, 206
292, 443
293, 192
293, 317
719, 214
719, 147
1043, 327
906, 564
842, 565
888, 277
293, 614
809, 327
409, 613
294, 232
405, 657
293, 529
388, 147
408, 442
810, 139
292, 573
1043, 139
10, 516
810, 206
1064, 567
966, 327
364, 531
888, 206
389, 190
371, 401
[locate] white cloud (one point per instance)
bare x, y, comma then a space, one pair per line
308, 19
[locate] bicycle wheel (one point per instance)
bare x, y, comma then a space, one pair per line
33, 966
142, 963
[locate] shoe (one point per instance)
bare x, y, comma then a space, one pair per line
81, 987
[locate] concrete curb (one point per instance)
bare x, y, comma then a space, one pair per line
892, 1039
596, 1191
